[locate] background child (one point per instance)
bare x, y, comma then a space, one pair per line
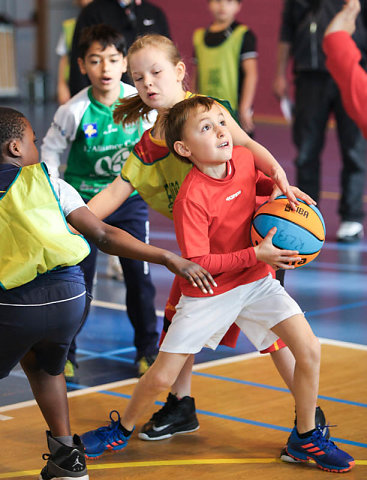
98, 150
158, 73
226, 60
217, 233
63, 49
43, 297
131, 18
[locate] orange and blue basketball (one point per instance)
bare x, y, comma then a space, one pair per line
302, 230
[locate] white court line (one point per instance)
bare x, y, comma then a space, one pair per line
340, 343
4, 417
199, 366
118, 306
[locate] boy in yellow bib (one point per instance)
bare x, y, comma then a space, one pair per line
226, 60
42, 290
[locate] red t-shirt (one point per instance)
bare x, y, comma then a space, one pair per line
212, 221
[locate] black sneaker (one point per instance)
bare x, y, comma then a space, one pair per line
64, 462
320, 421
176, 416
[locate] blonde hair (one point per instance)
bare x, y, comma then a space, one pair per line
130, 109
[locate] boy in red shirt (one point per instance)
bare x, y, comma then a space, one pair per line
212, 215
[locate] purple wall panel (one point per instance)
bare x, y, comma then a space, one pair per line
263, 16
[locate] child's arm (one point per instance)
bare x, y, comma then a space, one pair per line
63, 92
58, 136
248, 257
265, 187
264, 160
342, 61
249, 67
111, 198
191, 226
114, 241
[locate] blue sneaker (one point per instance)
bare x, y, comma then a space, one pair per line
320, 449
320, 421
104, 438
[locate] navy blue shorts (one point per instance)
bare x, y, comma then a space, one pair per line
42, 316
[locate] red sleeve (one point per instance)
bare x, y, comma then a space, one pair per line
342, 60
227, 262
191, 226
264, 185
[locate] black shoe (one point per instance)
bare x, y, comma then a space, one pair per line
176, 416
64, 462
320, 421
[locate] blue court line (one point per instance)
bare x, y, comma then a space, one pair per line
109, 355
110, 352
231, 418
279, 389
324, 311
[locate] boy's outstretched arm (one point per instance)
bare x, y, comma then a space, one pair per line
342, 61
114, 241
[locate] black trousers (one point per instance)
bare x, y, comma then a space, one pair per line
132, 216
316, 97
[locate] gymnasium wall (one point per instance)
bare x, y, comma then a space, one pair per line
262, 16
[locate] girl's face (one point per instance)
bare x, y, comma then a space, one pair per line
159, 83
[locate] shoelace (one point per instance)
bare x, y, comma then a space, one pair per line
110, 431
320, 437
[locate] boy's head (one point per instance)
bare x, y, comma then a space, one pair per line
196, 131
17, 139
224, 11
102, 56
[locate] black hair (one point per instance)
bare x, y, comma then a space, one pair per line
12, 125
103, 34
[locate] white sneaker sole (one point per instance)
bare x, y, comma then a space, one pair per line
144, 436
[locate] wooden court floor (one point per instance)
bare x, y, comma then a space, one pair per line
245, 414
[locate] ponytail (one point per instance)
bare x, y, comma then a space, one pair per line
130, 109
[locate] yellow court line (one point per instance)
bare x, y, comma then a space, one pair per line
165, 463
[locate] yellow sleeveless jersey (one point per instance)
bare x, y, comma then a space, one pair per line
218, 67
34, 235
155, 172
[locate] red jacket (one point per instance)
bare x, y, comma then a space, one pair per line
342, 61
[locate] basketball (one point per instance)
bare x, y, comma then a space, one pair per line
302, 229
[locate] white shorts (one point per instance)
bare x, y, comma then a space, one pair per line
203, 321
